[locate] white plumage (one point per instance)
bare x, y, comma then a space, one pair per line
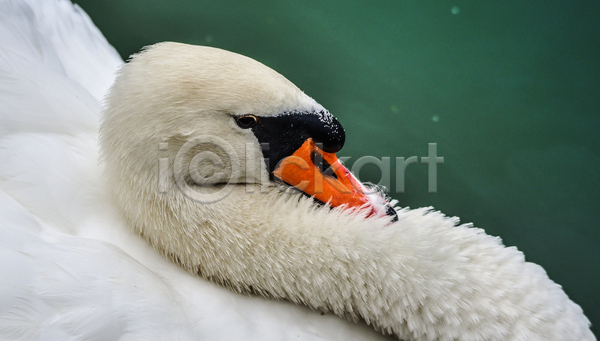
73, 271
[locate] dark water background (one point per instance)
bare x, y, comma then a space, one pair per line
509, 91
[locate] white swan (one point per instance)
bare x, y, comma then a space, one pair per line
70, 268
421, 277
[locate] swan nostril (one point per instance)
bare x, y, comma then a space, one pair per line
322, 165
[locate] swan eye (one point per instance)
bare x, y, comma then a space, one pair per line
247, 121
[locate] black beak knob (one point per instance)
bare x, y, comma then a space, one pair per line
286, 132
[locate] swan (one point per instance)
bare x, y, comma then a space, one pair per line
73, 270
195, 141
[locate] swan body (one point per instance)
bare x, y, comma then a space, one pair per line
423, 277
73, 270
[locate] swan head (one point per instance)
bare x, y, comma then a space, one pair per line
196, 134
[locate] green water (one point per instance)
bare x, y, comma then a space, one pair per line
509, 91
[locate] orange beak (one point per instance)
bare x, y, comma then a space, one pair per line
336, 187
